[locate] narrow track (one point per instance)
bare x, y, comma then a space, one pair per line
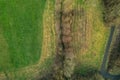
103, 70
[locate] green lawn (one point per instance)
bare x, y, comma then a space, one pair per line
21, 32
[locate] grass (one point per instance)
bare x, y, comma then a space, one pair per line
47, 50
21, 26
91, 46
48, 47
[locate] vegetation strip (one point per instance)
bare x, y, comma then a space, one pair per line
64, 54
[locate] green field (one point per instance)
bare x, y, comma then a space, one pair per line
28, 37
21, 32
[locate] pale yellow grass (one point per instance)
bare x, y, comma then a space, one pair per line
91, 36
49, 32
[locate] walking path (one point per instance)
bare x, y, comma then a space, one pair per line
103, 70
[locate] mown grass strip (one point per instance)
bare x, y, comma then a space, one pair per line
22, 25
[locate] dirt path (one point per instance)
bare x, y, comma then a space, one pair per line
103, 70
103, 67
114, 57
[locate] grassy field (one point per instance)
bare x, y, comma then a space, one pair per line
46, 22
21, 32
91, 35
27, 36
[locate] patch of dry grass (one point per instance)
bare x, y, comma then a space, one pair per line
48, 32
90, 36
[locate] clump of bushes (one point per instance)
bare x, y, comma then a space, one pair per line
112, 12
